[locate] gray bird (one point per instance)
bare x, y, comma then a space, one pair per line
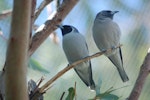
106, 34
75, 48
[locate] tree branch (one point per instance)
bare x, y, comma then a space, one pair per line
50, 25
144, 72
61, 98
33, 11
17, 52
5, 14
40, 8
59, 74
32, 19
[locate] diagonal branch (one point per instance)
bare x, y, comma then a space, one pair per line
32, 18
59, 74
40, 8
5, 13
50, 25
144, 72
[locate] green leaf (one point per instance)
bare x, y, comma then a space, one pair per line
36, 66
107, 96
71, 94
110, 97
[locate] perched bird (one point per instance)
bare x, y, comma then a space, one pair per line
75, 48
106, 34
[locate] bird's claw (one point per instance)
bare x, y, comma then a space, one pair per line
113, 47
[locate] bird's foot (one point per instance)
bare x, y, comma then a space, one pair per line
103, 50
113, 47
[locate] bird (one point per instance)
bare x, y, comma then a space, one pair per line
75, 48
106, 34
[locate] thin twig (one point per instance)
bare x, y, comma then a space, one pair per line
36, 88
59, 74
50, 25
5, 13
32, 18
33, 11
75, 91
40, 8
62, 96
48, 88
144, 72
41, 80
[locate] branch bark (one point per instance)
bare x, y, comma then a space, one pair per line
50, 25
59, 74
16, 57
32, 19
5, 13
144, 72
40, 8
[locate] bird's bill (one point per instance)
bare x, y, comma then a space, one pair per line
114, 12
60, 26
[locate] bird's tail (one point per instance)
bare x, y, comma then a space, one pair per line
117, 60
123, 74
92, 85
84, 71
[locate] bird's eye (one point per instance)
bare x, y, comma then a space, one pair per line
108, 11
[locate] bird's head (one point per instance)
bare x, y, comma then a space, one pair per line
106, 14
65, 29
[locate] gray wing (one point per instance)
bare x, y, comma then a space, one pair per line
75, 48
85, 73
106, 34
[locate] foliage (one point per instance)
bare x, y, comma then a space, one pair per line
36, 66
71, 94
135, 42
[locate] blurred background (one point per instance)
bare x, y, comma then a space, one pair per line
134, 21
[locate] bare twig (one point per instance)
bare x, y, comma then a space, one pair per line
48, 88
5, 13
59, 74
144, 72
62, 96
33, 11
41, 7
50, 25
75, 91
41, 80
32, 18
34, 89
